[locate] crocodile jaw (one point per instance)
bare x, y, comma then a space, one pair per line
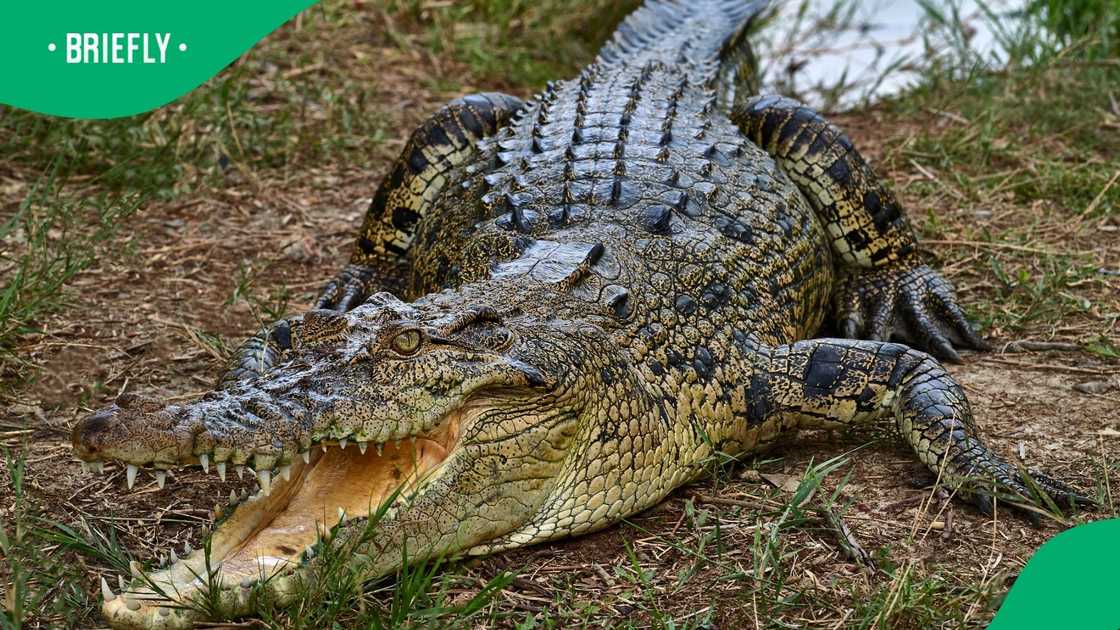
268, 540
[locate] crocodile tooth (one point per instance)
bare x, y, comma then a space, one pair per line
134, 569
187, 549
222, 471
342, 444
244, 494
171, 556
286, 472
98, 467
397, 444
323, 445
161, 478
265, 479
247, 581
240, 472
106, 592
120, 583
379, 449
85, 466
130, 475
233, 497
309, 552
413, 439
204, 459
362, 447
306, 455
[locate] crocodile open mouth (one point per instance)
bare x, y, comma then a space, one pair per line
338, 484
262, 536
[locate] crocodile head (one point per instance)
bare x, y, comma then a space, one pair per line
453, 419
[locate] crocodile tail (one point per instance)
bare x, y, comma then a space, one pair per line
698, 32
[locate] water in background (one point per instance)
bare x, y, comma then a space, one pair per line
839, 54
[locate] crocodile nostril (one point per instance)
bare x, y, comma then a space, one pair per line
282, 334
85, 433
99, 421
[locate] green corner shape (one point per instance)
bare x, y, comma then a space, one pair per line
1072, 581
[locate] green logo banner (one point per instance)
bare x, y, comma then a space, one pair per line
1070, 582
87, 59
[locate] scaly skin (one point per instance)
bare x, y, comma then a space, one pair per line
601, 288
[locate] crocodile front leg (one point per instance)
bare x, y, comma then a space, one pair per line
257, 354
884, 286
837, 382
411, 191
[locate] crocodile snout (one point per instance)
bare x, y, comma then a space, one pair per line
116, 430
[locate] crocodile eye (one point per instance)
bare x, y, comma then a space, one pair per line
406, 342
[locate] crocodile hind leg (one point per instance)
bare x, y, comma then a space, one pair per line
884, 286
410, 191
837, 382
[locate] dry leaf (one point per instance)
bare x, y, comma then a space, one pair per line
786, 483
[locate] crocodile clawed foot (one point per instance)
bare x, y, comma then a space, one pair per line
1032, 494
346, 290
915, 303
1060, 493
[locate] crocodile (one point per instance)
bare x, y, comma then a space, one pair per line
558, 311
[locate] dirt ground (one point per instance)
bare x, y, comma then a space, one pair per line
145, 322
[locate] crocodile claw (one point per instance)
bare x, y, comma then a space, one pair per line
914, 303
346, 290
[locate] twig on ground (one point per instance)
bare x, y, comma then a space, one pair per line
1027, 345
1051, 367
1011, 246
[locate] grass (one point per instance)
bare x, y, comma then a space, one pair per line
39, 584
58, 236
226, 209
910, 600
500, 40
1073, 22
